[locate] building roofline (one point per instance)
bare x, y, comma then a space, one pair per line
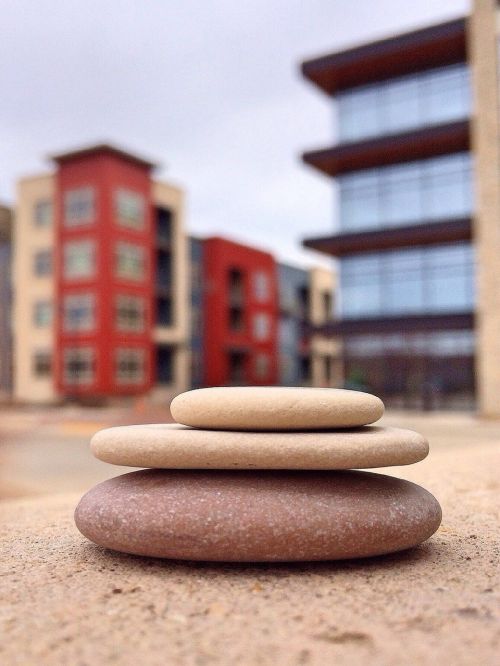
441, 44
105, 148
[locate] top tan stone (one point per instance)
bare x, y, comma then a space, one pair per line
275, 408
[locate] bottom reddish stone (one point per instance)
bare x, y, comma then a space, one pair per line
257, 516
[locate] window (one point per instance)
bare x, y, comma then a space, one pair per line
79, 313
165, 364
43, 263
79, 259
130, 261
261, 326
304, 369
163, 268
404, 194
262, 366
408, 281
236, 367
327, 302
42, 314
79, 207
130, 314
164, 225
79, 366
236, 287
438, 343
43, 213
164, 311
42, 364
327, 369
130, 366
129, 209
236, 319
261, 286
304, 300
397, 105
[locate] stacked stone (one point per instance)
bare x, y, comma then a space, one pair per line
260, 474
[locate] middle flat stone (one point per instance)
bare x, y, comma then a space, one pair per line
174, 446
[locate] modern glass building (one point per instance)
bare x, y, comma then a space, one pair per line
417, 181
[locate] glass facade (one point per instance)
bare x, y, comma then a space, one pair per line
433, 370
436, 343
405, 194
421, 280
397, 105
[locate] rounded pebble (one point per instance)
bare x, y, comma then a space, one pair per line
275, 408
257, 516
174, 446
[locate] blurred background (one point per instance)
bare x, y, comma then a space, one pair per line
276, 193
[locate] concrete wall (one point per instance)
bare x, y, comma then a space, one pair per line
28, 238
483, 55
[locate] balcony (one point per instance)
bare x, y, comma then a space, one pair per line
432, 233
403, 324
410, 52
406, 147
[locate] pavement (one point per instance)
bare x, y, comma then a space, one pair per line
67, 601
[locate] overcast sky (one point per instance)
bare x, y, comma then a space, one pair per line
209, 88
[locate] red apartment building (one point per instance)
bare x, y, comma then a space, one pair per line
104, 274
100, 275
240, 305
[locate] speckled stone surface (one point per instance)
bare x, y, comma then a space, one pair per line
66, 601
174, 446
275, 408
257, 516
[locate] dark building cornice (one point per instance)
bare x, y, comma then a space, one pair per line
407, 324
373, 240
434, 46
102, 149
418, 144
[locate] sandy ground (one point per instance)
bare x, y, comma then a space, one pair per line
66, 601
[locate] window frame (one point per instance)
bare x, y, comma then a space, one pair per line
72, 220
89, 356
127, 380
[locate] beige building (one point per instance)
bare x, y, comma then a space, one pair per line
484, 48
174, 336
34, 290
325, 351
37, 312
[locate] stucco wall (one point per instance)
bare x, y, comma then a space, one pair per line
483, 54
28, 238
